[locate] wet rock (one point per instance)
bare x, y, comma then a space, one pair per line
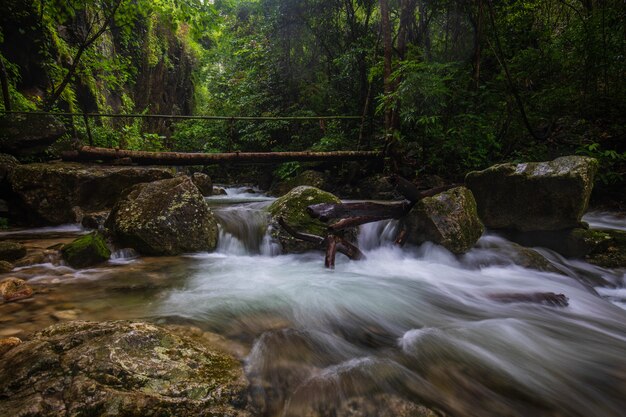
571, 243
5, 267
7, 163
27, 134
380, 405
11, 251
536, 195
203, 182
166, 217
612, 253
448, 219
376, 187
49, 193
219, 191
309, 178
13, 289
65, 315
95, 220
86, 251
40, 256
8, 343
122, 369
292, 208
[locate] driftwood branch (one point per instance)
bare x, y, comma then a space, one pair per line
331, 244
328, 211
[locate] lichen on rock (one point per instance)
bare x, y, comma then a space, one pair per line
119, 368
166, 217
449, 219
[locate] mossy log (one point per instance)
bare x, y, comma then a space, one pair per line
90, 153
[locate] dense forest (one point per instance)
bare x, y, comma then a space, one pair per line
452, 85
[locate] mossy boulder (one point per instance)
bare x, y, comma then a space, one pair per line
49, 193
119, 368
449, 219
292, 208
166, 217
11, 251
550, 195
26, 134
203, 182
86, 251
13, 289
309, 178
612, 252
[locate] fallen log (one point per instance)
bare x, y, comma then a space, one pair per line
90, 153
328, 211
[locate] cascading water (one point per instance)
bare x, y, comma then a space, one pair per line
414, 324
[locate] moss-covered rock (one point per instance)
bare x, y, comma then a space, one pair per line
25, 134
536, 195
449, 219
11, 251
292, 208
49, 193
119, 369
13, 289
203, 182
86, 251
612, 252
309, 178
166, 217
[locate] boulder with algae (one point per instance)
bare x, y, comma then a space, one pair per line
119, 368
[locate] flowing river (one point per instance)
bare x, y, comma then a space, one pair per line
409, 324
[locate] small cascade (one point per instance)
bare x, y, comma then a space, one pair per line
243, 229
377, 234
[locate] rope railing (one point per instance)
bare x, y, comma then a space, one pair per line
183, 117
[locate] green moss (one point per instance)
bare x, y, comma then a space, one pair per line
85, 251
292, 208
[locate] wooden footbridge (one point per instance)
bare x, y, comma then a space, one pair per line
93, 153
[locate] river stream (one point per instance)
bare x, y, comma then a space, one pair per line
414, 323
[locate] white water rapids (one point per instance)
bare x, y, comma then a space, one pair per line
416, 323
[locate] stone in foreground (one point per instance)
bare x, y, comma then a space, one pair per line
86, 251
536, 195
292, 208
11, 251
119, 369
166, 217
449, 219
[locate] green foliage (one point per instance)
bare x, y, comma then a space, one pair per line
610, 162
287, 170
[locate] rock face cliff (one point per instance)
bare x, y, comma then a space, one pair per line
152, 69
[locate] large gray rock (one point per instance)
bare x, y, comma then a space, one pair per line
49, 193
292, 208
25, 134
7, 163
536, 195
203, 182
119, 369
448, 219
166, 217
